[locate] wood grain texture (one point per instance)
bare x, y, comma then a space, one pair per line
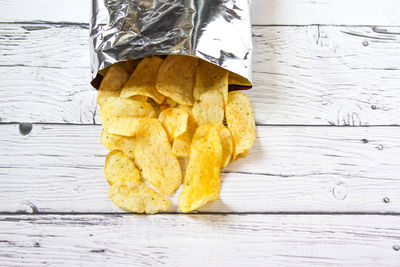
59, 168
355, 12
199, 240
271, 12
302, 75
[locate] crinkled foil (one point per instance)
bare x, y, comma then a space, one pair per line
218, 31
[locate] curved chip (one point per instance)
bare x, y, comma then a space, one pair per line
169, 102
137, 197
209, 108
241, 124
141, 98
181, 143
119, 107
119, 166
153, 155
174, 121
112, 83
110, 141
122, 115
227, 145
176, 78
202, 178
143, 80
210, 77
118, 142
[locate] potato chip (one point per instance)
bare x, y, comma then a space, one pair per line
241, 124
236, 79
131, 64
121, 115
122, 126
141, 98
209, 108
169, 102
176, 78
210, 77
112, 83
202, 178
181, 143
118, 142
119, 107
153, 155
143, 80
110, 141
119, 166
174, 121
137, 197
227, 145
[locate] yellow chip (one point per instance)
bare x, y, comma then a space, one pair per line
118, 142
153, 155
210, 77
142, 80
181, 143
122, 115
209, 108
174, 121
176, 78
141, 98
137, 197
110, 141
112, 83
119, 166
119, 107
202, 178
236, 79
241, 124
131, 64
227, 145
169, 102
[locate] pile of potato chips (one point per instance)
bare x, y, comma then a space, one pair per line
157, 110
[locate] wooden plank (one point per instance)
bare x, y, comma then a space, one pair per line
339, 12
199, 240
58, 168
272, 12
75, 11
302, 75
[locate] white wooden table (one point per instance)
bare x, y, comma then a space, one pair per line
321, 187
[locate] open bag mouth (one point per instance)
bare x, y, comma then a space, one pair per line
215, 31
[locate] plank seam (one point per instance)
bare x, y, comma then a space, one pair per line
86, 25
257, 124
316, 213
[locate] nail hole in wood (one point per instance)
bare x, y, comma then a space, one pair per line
27, 207
386, 199
36, 245
340, 191
98, 250
25, 128
396, 247
373, 107
380, 147
365, 43
364, 140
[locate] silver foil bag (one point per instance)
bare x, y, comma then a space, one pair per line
214, 30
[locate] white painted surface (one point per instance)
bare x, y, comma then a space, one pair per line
199, 240
302, 75
264, 12
59, 168
346, 74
